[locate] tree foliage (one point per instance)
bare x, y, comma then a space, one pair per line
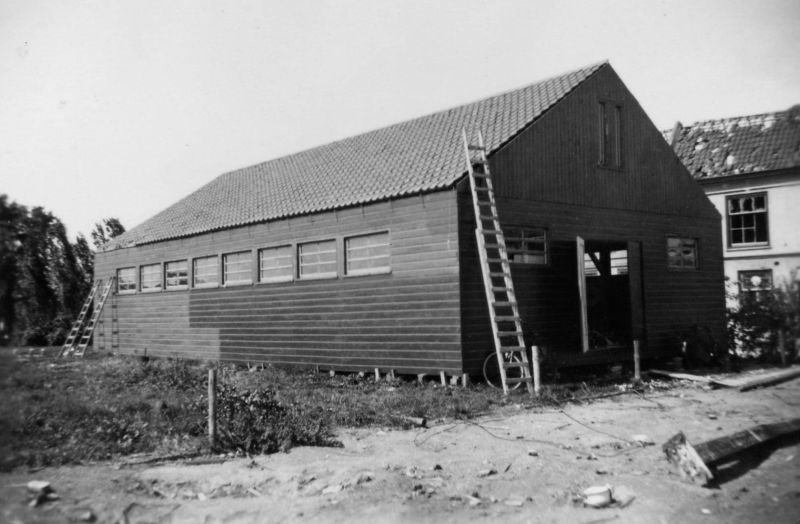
44, 277
105, 230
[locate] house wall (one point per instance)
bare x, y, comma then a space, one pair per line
782, 255
548, 176
407, 320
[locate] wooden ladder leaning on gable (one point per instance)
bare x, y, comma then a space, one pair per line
80, 335
496, 270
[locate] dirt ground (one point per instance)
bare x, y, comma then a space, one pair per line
518, 465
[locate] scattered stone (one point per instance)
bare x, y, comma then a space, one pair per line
623, 496
87, 516
436, 482
643, 440
705, 511
533, 453
515, 502
412, 472
363, 477
601, 472
39, 486
487, 472
335, 488
254, 492
436, 467
597, 496
591, 456
473, 501
201, 496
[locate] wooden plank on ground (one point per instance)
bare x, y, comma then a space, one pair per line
760, 380
696, 462
679, 376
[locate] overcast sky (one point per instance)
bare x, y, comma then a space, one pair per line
121, 108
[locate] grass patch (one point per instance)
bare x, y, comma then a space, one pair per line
58, 411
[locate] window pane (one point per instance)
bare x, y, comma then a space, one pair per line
526, 245
150, 277
275, 264
236, 268
681, 252
126, 280
317, 259
747, 219
206, 272
367, 254
177, 274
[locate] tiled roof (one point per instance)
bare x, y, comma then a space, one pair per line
417, 156
745, 144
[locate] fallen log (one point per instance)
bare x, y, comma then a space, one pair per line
679, 376
696, 462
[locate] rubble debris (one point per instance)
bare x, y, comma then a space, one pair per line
643, 440
695, 462
334, 488
419, 422
608, 496
41, 492
87, 516
487, 472
597, 496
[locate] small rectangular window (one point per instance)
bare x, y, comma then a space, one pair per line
526, 245
126, 280
367, 254
610, 151
150, 277
177, 274
275, 264
236, 269
317, 259
747, 220
205, 272
756, 283
681, 253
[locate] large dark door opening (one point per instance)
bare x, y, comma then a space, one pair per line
605, 293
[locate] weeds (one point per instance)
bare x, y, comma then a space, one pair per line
58, 411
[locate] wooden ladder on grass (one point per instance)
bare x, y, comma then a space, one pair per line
76, 344
503, 309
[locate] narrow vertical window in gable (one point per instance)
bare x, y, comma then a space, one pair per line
610, 139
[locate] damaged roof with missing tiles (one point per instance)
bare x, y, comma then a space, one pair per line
745, 144
421, 155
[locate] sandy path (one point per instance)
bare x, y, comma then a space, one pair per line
519, 466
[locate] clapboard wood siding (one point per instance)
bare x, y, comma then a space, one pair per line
548, 176
407, 320
556, 158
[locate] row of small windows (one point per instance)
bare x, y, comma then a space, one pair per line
364, 255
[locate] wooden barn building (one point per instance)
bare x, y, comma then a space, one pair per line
361, 254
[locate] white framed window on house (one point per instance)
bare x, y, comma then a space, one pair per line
176, 275
367, 254
126, 280
205, 272
747, 220
150, 278
275, 264
755, 283
526, 245
681, 252
237, 268
316, 259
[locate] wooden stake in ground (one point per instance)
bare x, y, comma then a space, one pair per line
537, 377
696, 462
212, 407
637, 362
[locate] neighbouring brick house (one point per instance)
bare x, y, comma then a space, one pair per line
749, 166
361, 253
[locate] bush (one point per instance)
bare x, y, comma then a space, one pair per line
756, 322
255, 422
